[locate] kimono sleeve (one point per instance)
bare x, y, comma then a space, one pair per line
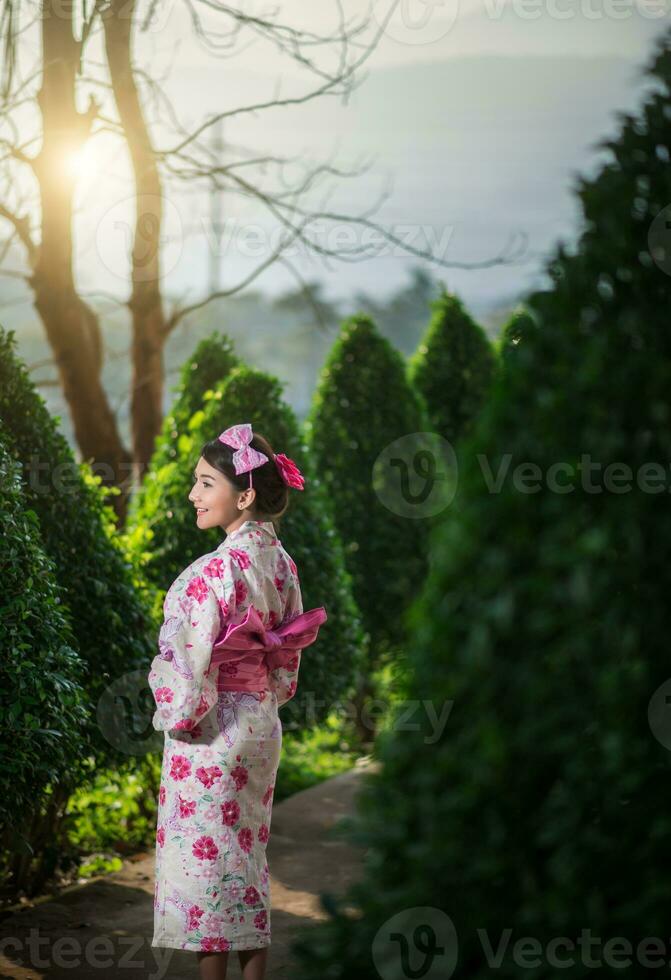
183, 689
284, 680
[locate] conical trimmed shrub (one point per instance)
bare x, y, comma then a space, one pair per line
542, 807
43, 705
158, 542
453, 368
514, 333
211, 362
306, 530
362, 405
112, 629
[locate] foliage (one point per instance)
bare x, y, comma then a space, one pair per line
514, 333
453, 368
162, 545
311, 755
116, 809
401, 316
42, 703
211, 362
112, 629
363, 403
544, 806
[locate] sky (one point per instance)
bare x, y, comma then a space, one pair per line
466, 133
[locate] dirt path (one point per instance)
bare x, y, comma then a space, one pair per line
103, 929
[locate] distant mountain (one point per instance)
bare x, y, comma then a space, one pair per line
484, 146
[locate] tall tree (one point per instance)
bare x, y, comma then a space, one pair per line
71, 324
149, 327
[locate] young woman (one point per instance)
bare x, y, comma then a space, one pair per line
230, 650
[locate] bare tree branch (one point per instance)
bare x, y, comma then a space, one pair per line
306, 291
342, 82
179, 313
16, 274
8, 33
21, 225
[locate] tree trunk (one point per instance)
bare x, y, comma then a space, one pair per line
71, 326
145, 303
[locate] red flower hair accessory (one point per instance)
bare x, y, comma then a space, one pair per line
289, 472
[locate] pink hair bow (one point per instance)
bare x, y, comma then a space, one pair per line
245, 457
255, 650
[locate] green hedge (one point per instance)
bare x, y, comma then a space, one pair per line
362, 404
157, 542
43, 705
112, 629
453, 368
544, 805
514, 333
211, 362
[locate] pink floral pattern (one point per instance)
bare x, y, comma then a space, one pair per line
222, 748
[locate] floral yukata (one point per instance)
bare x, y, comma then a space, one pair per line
222, 746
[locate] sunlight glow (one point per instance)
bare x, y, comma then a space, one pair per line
81, 162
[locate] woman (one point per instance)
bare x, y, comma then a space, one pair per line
230, 650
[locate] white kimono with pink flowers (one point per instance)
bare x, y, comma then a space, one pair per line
222, 747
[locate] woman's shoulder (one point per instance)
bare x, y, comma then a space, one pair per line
206, 566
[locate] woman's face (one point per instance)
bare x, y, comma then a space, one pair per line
217, 502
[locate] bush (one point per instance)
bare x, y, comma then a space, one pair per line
514, 333
112, 629
453, 368
42, 703
159, 543
211, 362
362, 404
544, 805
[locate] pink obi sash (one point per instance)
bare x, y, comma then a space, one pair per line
248, 651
